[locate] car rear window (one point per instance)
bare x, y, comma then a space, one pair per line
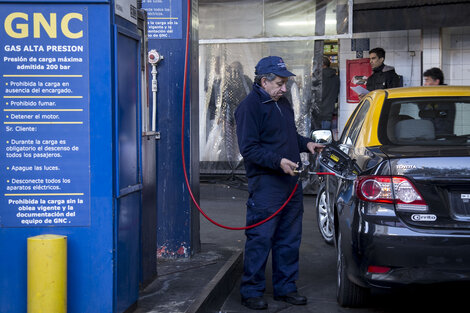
426, 121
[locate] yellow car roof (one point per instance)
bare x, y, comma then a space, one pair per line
428, 91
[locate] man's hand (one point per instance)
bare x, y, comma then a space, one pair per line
315, 147
288, 166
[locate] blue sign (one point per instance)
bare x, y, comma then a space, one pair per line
45, 136
164, 18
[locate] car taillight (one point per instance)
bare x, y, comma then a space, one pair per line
386, 189
374, 269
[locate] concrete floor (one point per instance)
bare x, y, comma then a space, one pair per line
188, 285
317, 280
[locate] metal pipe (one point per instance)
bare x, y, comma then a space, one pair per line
154, 97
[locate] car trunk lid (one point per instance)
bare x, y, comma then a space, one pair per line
442, 176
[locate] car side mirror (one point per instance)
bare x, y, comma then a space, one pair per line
324, 136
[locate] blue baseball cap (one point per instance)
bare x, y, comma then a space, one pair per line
272, 64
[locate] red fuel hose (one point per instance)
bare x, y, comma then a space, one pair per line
182, 145
182, 142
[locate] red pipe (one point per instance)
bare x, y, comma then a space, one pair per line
182, 144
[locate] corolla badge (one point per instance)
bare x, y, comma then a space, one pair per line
406, 166
423, 217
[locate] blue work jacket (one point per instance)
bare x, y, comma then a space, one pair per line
266, 133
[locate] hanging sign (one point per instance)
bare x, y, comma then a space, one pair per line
164, 18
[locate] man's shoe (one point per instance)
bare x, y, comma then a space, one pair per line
255, 303
292, 298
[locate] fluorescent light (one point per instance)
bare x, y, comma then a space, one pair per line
304, 23
296, 23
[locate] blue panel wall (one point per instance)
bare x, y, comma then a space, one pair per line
128, 251
173, 203
128, 136
90, 247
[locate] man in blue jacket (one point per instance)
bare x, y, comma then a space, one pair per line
271, 146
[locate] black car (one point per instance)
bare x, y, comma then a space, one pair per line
399, 206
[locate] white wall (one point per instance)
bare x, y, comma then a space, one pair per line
432, 48
456, 55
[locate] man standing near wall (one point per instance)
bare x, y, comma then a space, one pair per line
383, 76
330, 90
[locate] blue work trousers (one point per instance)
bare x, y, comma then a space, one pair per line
281, 235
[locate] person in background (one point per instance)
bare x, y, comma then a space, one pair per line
433, 77
271, 147
330, 91
213, 93
383, 76
442, 115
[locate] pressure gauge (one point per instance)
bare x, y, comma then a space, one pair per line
154, 56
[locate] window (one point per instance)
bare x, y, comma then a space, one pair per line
250, 19
350, 134
233, 37
428, 121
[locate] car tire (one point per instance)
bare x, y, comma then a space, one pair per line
325, 226
348, 294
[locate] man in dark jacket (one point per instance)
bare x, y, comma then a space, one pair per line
271, 146
383, 76
330, 90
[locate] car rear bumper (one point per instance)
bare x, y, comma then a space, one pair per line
413, 257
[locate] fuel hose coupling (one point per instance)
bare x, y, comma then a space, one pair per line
304, 173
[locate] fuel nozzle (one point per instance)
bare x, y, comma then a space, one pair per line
302, 168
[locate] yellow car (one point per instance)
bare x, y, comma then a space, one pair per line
400, 197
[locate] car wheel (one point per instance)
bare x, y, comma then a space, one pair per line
324, 224
348, 294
